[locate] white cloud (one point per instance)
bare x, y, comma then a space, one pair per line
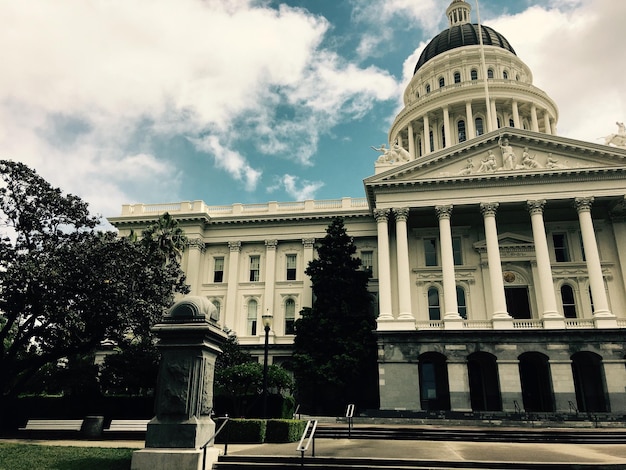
298, 190
577, 57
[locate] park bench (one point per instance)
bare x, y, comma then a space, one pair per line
53, 426
128, 426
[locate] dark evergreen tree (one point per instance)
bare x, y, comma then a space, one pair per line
335, 348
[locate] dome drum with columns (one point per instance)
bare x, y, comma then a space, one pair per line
497, 249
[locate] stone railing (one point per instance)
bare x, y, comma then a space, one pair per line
526, 324
199, 207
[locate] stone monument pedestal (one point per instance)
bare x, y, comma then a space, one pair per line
189, 343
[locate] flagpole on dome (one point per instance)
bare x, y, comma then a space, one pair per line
490, 124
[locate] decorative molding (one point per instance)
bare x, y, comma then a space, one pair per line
271, 244
444, 212
401, 213
381, 215
235, 246
489, 208
308, 242
536, 207
197, 243
583, 204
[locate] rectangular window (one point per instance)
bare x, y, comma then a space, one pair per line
290, 317
252, 317
367, 259
218, 270
255, 263
457, 252
430, 252
291, 267
561, 251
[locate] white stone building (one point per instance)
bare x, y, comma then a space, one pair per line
497, 249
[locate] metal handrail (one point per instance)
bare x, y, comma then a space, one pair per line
349, 416
212, 438
312, 425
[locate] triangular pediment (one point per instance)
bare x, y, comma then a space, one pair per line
508, 240
507, 152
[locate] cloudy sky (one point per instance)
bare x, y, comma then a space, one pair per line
155, 101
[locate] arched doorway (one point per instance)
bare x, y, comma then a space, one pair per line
589, 382
434, 385
536, 382
483, 382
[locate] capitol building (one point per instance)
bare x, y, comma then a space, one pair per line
497, 248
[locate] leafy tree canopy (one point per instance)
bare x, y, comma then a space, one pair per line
335, 348
64, 285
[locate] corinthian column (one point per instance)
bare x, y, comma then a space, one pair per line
404, 272
594, 268
493, 260
270, 274
384, 267
546, 284
450, 304
231, 292
307, 289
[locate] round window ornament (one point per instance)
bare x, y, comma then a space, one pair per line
509, 276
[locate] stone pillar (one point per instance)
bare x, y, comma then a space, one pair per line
458, 379
469, 116
546, 122
426, 135
307, 289
189, 344
446, 127
534, 122
194, 261
270, 274
404, 271
510, 384
384, 267
411, 141
552, 318
495, 265
451, 317
615, 376
231, 290
516, 120
602, 315
494, 115
562, 384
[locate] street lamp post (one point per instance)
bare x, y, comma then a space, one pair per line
267, 325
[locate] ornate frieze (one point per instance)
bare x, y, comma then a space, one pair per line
401, 213
444, 212
381, 215
234, 246
536, 207
583, 204
489, 208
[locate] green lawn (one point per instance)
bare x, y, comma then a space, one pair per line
40, 457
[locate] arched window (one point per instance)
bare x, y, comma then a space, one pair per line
490, 73
290, 316
460, 127
442, 82
568, 301
511, 122
428, 88
433, 382
252, 317
484, 383
431, 139
443, 136
536, 381
498, 123
479, 126
505, 75
589, 382
434, 311
457, 77
461, 302
474, 74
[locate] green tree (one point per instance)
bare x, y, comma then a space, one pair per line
64, 285
239, 377
334, 356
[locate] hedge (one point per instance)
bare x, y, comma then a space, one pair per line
284, 430
244, 431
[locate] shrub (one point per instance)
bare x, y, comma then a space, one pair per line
284, 430
244, 431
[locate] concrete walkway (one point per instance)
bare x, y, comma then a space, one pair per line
607, 454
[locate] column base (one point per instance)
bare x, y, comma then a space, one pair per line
554, 322
395, 325
605, 320
502, 322
167, 459
453, 323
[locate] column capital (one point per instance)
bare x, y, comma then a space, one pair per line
271, 244
196, 243
444, 212
381, 215
583, 204
536, 207
401, 213
489, 208
235, 246
308, 242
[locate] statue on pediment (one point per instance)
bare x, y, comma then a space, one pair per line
553, 163
488, 163
401, 152
619, 139
509, 159
387, 154
468, 169
528, 160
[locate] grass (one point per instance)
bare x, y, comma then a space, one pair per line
40, 457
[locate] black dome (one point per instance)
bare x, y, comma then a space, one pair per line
459, 36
